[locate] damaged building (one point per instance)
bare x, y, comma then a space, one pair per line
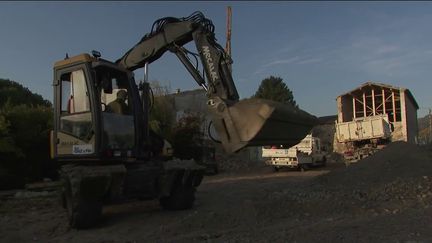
397, 105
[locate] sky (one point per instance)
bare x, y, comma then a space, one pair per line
320, 49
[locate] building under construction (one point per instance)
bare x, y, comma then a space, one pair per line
372, 99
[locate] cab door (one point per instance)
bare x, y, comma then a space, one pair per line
74, 131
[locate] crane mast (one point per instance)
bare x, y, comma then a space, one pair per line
228, 36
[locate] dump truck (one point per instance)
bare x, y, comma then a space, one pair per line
304, 155
363, 136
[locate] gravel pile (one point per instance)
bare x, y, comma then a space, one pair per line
242, 161
397, 177
394, 179
237, 163
398, 161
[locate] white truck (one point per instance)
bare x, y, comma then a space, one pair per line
303, 155
363, 136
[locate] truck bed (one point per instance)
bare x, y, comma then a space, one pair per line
279, 153
372, 127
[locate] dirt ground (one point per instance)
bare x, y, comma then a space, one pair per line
376, 200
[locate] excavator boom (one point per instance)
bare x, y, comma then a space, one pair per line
250, 122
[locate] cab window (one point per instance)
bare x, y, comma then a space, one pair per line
75, 117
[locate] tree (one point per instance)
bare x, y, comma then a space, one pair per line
162, 115
273, 88
15, 94
187, 136
25, 122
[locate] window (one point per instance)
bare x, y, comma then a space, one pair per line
117, 99
117, 110
75, 105
74, 93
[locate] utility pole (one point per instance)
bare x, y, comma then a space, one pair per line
228, 36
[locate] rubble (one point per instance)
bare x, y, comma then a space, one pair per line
396, 177
241, 161
385, 197
399, 160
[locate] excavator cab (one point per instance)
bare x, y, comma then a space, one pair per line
97, 110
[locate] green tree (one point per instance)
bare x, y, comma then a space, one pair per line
7, 144
29, 129
273, 88
15, 94
187, 136
25, 121
162, 114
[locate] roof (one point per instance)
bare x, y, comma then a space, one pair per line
78, 58
327, 119
369, 83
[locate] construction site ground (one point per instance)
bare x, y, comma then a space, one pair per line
383, 198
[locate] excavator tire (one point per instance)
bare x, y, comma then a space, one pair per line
182, 197
82, 213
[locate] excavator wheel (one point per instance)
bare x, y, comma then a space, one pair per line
182, 197
82, 213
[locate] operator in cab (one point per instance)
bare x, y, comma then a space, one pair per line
119, 105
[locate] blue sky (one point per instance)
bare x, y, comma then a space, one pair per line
320, 49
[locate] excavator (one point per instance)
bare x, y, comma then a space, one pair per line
108, 155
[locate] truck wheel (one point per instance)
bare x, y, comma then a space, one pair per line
275, 168
303, 167
324, 162
182, 197
82, 213
216, 169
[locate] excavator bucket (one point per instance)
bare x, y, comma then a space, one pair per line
259, 122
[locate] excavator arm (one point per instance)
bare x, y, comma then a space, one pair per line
250, 122
171, 34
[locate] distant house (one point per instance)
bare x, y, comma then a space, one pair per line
325, 131
194, 101
190, 100
372, 99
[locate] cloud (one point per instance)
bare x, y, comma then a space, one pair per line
293, 60
384, 49
384, 65
282, 61
310, 60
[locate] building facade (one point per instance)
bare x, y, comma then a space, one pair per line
372, 99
